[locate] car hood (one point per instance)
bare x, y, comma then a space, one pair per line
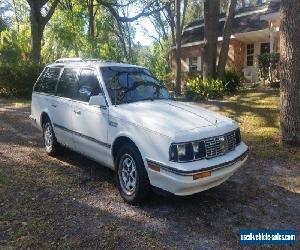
168, 117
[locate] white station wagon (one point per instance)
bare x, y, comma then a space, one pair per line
121, 116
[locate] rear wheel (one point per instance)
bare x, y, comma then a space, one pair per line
51, 145
131, 175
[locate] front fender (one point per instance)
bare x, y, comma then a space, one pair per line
150, 144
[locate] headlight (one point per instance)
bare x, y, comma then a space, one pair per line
216, 146
181, 149
187, 151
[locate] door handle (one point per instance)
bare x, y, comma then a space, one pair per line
53, 105
77, 112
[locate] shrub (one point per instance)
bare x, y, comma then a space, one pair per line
263, 63
231, 80
275, 84
17, 79
268, 66
274, 65
202, 89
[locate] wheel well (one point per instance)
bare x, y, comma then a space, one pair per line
44, 117
119, 142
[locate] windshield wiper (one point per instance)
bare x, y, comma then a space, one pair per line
147, 99
125, 90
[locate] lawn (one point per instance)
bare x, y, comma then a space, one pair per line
257, 112
72, 202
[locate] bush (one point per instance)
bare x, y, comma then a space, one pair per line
197, 88
231, 81
263, 63
275, 84
268, 64
17, 79
202, 89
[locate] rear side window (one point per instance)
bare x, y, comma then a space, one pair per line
88, 85
67, 86
47, 82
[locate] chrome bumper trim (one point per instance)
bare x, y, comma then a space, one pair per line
212, 168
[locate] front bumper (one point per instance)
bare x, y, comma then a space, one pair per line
181, 182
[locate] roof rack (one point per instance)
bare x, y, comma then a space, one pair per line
100, 60
79, 59
65, 60
94, 60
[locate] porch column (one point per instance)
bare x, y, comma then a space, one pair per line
272, 37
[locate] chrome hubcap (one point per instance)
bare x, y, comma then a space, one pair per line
127, 174
48, 137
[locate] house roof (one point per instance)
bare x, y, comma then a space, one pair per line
237, 12
246, 20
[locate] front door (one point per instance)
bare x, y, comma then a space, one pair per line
90, 122
63, 106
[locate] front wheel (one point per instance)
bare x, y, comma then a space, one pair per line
131, 175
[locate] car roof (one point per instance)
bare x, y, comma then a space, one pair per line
78, 62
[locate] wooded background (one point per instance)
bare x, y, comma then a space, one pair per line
40, 31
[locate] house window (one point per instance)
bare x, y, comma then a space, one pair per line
250, 54
264, 48
193, 64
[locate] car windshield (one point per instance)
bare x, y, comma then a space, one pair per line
132, 84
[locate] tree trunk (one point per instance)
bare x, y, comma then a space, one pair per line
178, 48
38, 23
37, 29
226, 38
91, 18
290, 72
171, 23
211, 28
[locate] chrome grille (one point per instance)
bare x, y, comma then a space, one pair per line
231, 141
212, 147
220, 145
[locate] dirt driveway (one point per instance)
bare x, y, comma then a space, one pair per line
63, 203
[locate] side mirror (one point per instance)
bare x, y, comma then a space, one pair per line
98, 100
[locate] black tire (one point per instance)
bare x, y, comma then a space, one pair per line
142, 188
52, 147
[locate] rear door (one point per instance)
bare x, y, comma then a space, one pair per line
90, 122
43, 92
64, 106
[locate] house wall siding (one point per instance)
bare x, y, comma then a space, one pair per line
236, 55
239, 55
236, 58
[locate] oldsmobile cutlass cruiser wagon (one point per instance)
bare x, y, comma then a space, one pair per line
122, 117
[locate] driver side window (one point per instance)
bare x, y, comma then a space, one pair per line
88, 85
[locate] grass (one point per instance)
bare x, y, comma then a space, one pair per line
53, 202
257, 112
15, 100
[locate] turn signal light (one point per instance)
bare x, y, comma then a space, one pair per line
201, 175
154, 166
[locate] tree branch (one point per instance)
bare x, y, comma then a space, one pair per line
185, 3
51, 11
144, 12
171, 23
124, 5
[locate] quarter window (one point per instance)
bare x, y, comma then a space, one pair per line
67, 85
88, 85
250, 54
47, 82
